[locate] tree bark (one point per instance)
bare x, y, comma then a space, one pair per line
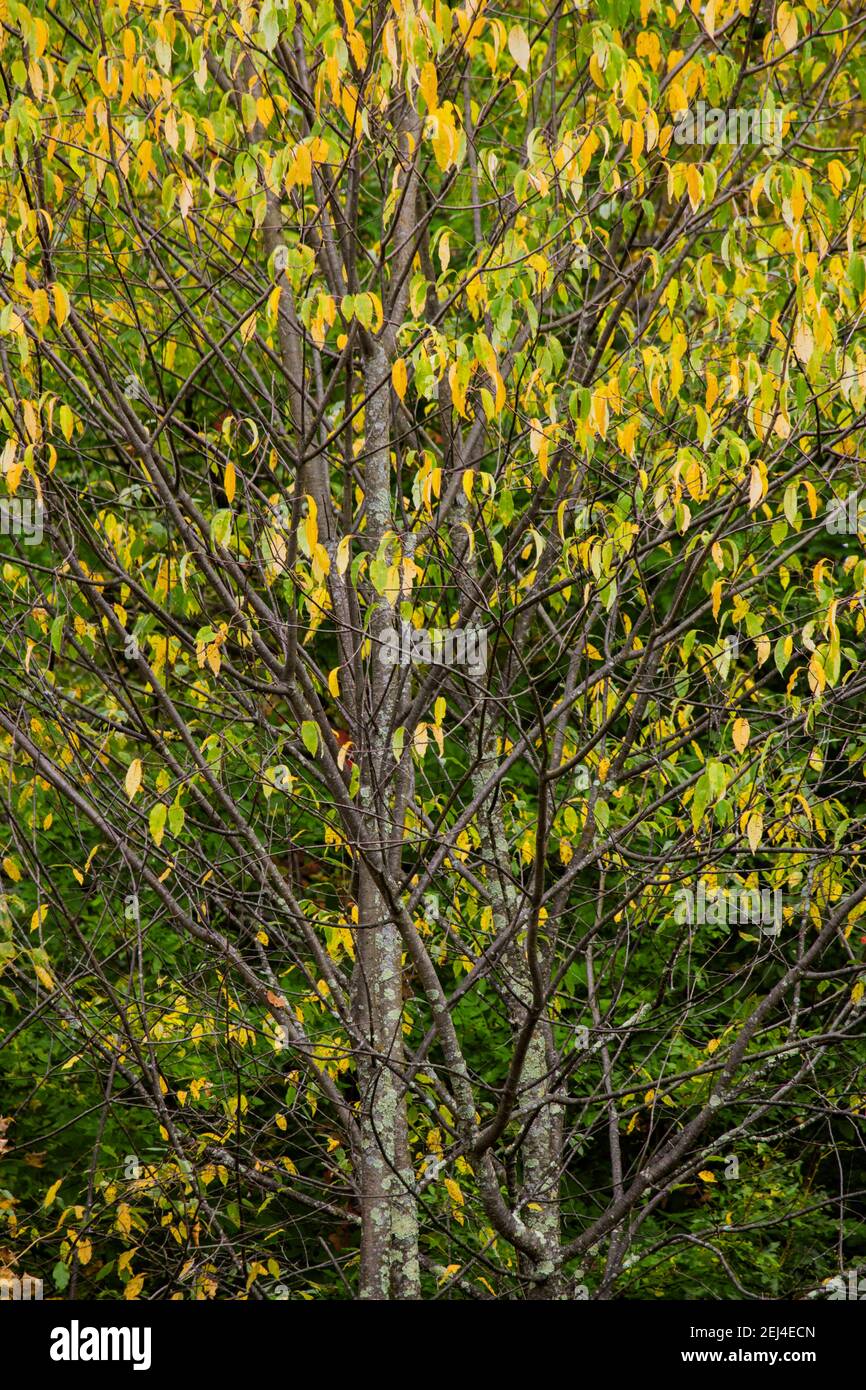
389, 1241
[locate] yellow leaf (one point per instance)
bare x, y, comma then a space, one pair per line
389, 40
741, 734
134, 1287
786, 24
626, 437
836, 174
707, 1176
816, 673
518, 47
637, 141
248, 328
677, 100
144, 161
61, 304
334, 682
311, 524
349, 100
755, 830
858, 992
588, 148
301, 171
343, 554
133, 778
694, 479
11, 870
51, 1193
230, 482
694, 186
429, 87
400, 377
41, 308
42, 35
454, 1192
446, 143
600, 415
38, 917
804, 342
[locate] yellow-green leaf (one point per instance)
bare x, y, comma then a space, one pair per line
518, 47
132, 781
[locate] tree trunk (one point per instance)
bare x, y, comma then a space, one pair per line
389, 1240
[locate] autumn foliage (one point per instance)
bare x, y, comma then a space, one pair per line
328, 332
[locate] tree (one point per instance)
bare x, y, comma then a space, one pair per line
432, 691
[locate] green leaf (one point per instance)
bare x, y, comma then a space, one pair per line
355, 780
157, 821
779, 656
700, 800
269, 25
221, 527
790, 503
379, 575
717, 777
